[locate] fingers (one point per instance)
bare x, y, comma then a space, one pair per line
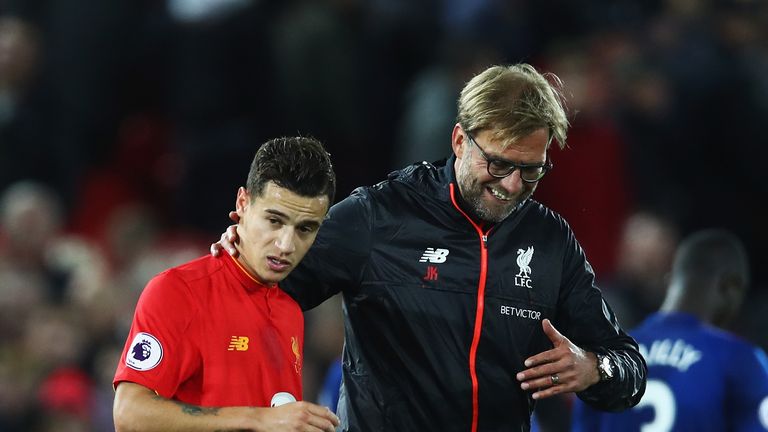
560, 343
228, 239
541, 367
320, 418
554, 336
231, 234
573, 366
323, 412
551, 389
298, 417
325, 421
540, 380
540, 376
226, 242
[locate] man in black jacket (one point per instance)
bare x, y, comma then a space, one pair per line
465, 300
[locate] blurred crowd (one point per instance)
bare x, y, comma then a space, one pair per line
125, 126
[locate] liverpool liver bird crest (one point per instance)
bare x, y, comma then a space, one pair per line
523, 259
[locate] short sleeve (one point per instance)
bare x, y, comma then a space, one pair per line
159, 353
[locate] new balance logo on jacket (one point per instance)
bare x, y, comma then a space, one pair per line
436, 256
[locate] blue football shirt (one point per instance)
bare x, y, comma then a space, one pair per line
329, 392
700, 378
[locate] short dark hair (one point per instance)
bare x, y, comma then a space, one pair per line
299, 164
712, 253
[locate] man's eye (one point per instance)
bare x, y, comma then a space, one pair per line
307, 229
501, 165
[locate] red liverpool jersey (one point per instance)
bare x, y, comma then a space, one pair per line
206, 333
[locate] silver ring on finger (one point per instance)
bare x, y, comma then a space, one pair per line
555, 379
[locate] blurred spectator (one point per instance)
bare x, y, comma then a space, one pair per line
695, 367
31, 220
594, 207
20, 127
645, 252
430, 100
18, 59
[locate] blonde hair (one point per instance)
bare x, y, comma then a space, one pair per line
513, 102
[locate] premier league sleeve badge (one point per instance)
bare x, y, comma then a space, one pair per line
145, 354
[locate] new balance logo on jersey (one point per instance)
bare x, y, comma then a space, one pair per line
436, 256
238, 343
523, 278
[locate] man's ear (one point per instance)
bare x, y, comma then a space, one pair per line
731, 290
458, 141
242, 201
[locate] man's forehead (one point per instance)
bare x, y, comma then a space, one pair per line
284, 202
502, 141
534, 145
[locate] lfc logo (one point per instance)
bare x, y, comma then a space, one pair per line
296, 348
523, 278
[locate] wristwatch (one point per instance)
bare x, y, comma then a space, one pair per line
605, 367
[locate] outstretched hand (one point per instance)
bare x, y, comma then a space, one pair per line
228, 238
563, 369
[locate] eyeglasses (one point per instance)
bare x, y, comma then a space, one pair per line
500, 168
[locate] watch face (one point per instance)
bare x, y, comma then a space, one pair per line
606, 367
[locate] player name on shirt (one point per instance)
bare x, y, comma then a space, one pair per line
674, 353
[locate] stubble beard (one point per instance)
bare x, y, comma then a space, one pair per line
472, 191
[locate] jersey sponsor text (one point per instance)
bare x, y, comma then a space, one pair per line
522, 313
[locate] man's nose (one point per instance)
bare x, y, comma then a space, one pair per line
285, 240
512, 183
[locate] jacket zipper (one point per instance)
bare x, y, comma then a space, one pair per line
478, 311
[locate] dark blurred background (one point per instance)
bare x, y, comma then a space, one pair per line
126, 127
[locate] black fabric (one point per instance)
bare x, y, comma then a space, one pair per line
409, 329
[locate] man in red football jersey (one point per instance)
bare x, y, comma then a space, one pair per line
215, 344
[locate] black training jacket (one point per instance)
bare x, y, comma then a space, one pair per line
440, 312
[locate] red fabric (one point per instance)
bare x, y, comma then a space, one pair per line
589, 188
67, 390
477, 332
199, 313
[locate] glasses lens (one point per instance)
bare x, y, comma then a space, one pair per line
532, 174
499, 168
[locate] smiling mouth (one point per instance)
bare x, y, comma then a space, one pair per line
499, 195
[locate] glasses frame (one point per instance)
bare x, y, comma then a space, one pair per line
546, 166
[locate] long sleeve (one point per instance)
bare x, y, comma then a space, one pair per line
591, 324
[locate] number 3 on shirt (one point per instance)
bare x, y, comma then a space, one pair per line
659, 396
